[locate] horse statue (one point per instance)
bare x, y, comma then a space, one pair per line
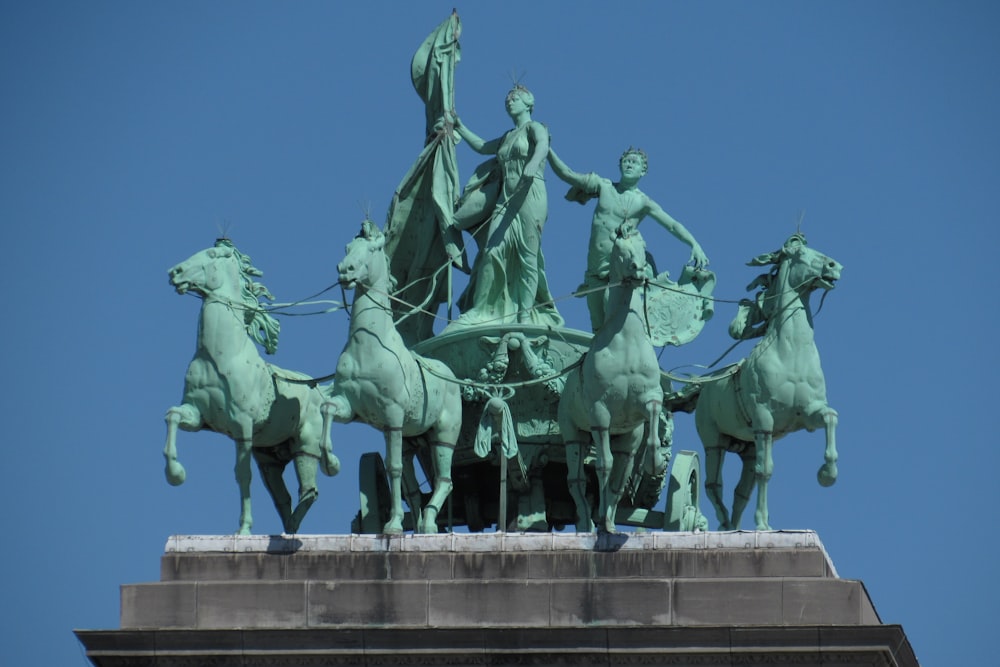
381, 383
230, 389
778, 389
615, 394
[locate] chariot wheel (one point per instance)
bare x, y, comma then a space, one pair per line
684, 494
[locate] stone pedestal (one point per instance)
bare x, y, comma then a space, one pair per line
499, 599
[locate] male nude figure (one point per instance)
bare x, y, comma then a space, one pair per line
617, 204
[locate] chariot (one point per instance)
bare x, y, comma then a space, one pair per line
509, 469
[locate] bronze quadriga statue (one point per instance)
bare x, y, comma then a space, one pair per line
516, 420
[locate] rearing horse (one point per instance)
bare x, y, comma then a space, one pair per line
615, 395
230, 389
778, 389
381, 383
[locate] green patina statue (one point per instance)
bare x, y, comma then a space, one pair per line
506, 201
618, 203
778, 389
615, 395
229, 389
382, 383
516, 420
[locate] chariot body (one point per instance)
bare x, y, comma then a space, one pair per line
509, 469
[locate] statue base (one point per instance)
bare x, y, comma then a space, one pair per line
499, 599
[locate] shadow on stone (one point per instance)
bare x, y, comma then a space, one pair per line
279, 544
610, 541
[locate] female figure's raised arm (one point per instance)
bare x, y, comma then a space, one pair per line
475, 142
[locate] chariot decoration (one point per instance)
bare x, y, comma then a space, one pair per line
514, 419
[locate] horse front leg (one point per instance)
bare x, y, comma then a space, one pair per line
394, 466
763, 469
623, 461
336, 409
827, 473
605, 461
244, 452
188, 418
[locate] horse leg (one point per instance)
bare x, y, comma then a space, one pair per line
605, 461
394, 466
622, 462
443, 453
827, 474
305, 471
411, 487
271, 465
715, 449
744, 488
187, 418
576, 479
337, 409
244, 449
763, 469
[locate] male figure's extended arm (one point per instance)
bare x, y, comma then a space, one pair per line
698, 257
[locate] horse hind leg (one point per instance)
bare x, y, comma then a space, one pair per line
271, 465
443, 453
744, 488
576, 478
305, 471
411, 488
714, 444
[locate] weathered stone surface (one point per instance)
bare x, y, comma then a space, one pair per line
804, 646
497, 599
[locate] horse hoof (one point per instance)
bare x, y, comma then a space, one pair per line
827, 475
330, 466
176, 474
392, 528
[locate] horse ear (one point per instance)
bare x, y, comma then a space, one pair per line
765, 259
794, 242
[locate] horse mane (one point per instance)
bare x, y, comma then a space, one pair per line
260, 325
371, 232
753, 314
751, 317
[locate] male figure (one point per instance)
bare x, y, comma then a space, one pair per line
617, 203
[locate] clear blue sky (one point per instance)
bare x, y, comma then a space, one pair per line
132, 131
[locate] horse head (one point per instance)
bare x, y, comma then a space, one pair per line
806, 269
208, 272
364, 262
628, 257
223, 273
